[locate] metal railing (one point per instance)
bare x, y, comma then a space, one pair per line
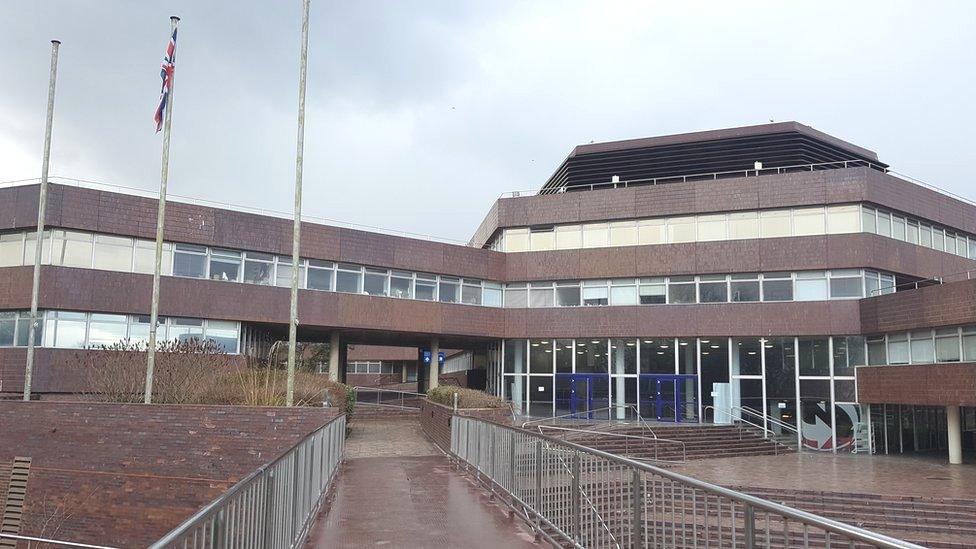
375, 396
629, 503
274, 507
52, 542
733, 418
924, 283
610, 420
633, 444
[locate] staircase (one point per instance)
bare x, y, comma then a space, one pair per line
372, 411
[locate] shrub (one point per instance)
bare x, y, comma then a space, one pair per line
467, 398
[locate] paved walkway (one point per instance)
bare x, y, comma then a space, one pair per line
397, 490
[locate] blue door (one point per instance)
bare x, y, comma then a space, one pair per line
583, 396
668, 397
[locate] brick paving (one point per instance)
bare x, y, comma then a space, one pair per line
397, 490
922, 476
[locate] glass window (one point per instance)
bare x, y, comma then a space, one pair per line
11, 249
744, 287
775, 223
848, 353
113, 253
657, 356
492, 294
925, 238
845, 283
144, 257
401, 284
23, 329
653, 291
922, 346
844, 391
623, 356
814, 356
843, 219
969, 343
258, 268
781, 376
540, 294
596, 235
712, 227
961, 247
972, 247
811, 286
681, 289
595, 292
283, 272
8, 328
67, 330
898, 349
744, 225
652, 231
540, 356
106, 330
514, 360
564, 356
224, 334
950, 242
72, 249
447, 289
872, 283
568, 294
623, 292
190, 261
713, 289
947, 345
186, 329
746, 356
623, 233
320, 275
591, 356
425, 287
884, 223
569, 237
877, 355
471, 291
516, 295
887, 282
687, 353
681, 229
809, 221
542, 238
911, 231
349, 278
777, 287
898, 227
869, 220
224, 265
516, 240
30, 239
375, 282
139, 329
938, 239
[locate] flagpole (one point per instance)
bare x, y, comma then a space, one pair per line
160, 223
297, 228
41, 207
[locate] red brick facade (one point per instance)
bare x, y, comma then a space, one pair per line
950, 304
920, 384
125, 474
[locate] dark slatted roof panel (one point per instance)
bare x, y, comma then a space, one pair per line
736, 149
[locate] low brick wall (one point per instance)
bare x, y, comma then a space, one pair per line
125, 474
435, 420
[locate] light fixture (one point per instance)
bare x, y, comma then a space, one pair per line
665, 347
648, 341
595, 341
714, 346
683, 343
660, 352
750, 352
704, 352
630, 343
535, 344
705, 340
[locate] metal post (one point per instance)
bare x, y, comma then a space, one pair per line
538, 485
577, 499
297, 228
160, 222
41, 206
637, 527
750, 527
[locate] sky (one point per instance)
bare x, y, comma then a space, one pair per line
421, 113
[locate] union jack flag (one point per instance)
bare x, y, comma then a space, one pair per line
166, 73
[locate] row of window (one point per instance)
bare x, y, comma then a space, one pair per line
721, 288
819, 357
914, 231
850, 218
73, 330
923, 346
87, 250
369, 367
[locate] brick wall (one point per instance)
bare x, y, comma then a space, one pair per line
919, 384
125, 474
435, 420
949, 304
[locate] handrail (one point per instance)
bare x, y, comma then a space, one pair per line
925, 282
273, 513
733, 418
768, 418
385, 390
610, 419
684, 448
487, 438
402, 396
56, 542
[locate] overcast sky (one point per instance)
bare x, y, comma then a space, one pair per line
421, 113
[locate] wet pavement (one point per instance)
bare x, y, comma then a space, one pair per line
396, 490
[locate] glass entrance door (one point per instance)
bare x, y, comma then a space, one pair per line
668, 397
585, 396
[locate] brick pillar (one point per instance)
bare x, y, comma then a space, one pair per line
954, 425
